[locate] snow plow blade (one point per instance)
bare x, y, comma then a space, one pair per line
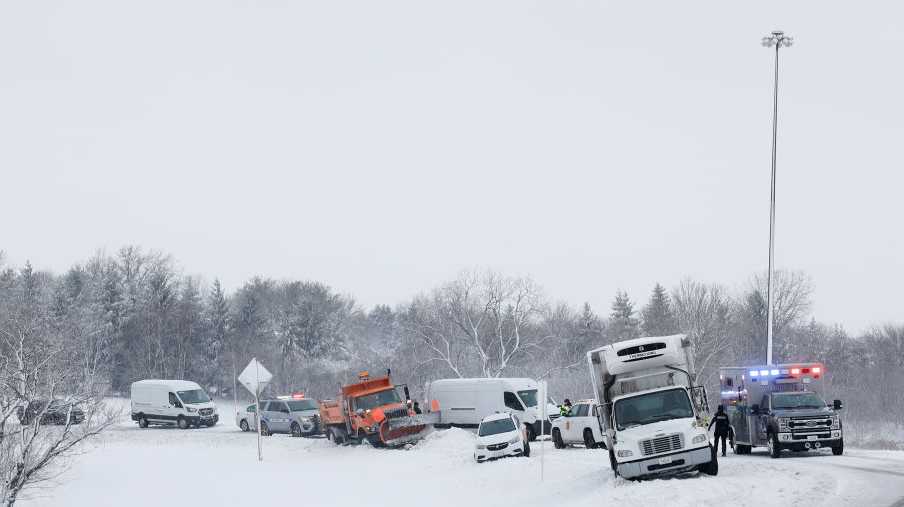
399, 431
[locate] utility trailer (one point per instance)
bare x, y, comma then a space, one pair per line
653, 413
780, 407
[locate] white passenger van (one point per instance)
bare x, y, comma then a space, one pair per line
172, 402
464, 402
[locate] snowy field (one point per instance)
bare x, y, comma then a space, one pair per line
218, 467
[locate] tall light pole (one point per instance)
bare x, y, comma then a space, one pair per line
777, 39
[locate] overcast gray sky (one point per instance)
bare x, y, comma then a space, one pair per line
383, 146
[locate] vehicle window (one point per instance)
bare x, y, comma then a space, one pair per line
582, 410
173, 400
796, 400
498, 426
529, 397
194, 396
281, 407
652, 407
299, 405
511, 401
251, 408
377, 399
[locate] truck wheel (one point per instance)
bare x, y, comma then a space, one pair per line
774, 450
296, 430
838, 450
711, 468
613, 463
142, 421
588, 439
557, 439
182, 423
244, 425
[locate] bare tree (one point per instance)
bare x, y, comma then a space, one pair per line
703, 313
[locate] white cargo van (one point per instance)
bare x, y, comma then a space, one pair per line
464, 402
172, 402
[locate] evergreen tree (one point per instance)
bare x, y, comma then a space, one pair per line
658, 317
622, 323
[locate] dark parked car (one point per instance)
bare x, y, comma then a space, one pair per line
55, 413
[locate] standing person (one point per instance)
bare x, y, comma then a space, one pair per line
565, 407
723, 428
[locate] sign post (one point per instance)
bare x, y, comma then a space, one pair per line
542, 405
255, 378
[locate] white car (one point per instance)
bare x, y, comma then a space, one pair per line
500, 435
245, 419
579, 426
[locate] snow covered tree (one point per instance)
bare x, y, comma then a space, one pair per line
622, 323
658, 317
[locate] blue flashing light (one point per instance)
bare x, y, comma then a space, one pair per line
754, 373
763, 373
773, 372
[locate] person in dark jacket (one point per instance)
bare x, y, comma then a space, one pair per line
723, 428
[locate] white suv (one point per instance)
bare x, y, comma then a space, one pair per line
500, 435
579, 426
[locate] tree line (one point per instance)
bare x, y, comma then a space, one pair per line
134, 315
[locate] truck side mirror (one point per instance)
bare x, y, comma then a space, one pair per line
837, 405
755, 409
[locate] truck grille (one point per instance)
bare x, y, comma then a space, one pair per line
206, 411
810, 424
661, 444
395, 413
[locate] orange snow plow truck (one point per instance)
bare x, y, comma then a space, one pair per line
372, 410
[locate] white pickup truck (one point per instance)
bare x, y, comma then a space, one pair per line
580, 425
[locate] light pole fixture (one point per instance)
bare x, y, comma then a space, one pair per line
778, 40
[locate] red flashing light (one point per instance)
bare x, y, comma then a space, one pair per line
817, 370
298, 396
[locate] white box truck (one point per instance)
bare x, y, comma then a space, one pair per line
172, 402
464, 402
653, 414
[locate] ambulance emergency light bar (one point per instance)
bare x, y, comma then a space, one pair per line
816, 371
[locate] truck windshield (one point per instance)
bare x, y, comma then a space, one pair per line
493, 427
785, 401
377, 399
529, 397
652, 407
193, 396
299, 405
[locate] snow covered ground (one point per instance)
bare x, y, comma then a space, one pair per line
218, 466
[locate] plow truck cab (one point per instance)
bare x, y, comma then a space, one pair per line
653, 414
780, 407
372, 410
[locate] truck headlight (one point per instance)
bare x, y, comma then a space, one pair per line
783, 423
836, 422
624, 453
192, 410
699, 439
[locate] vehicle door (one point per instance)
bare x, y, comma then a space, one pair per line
762, 420
594, 424
278, 413
174, 407
513, 403
581, 421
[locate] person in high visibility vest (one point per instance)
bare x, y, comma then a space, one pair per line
565, 407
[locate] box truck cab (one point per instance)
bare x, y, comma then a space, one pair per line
466, 402
780, 407
653, 414
172, 402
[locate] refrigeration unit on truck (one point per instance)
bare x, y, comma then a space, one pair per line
653, 413
780, 407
